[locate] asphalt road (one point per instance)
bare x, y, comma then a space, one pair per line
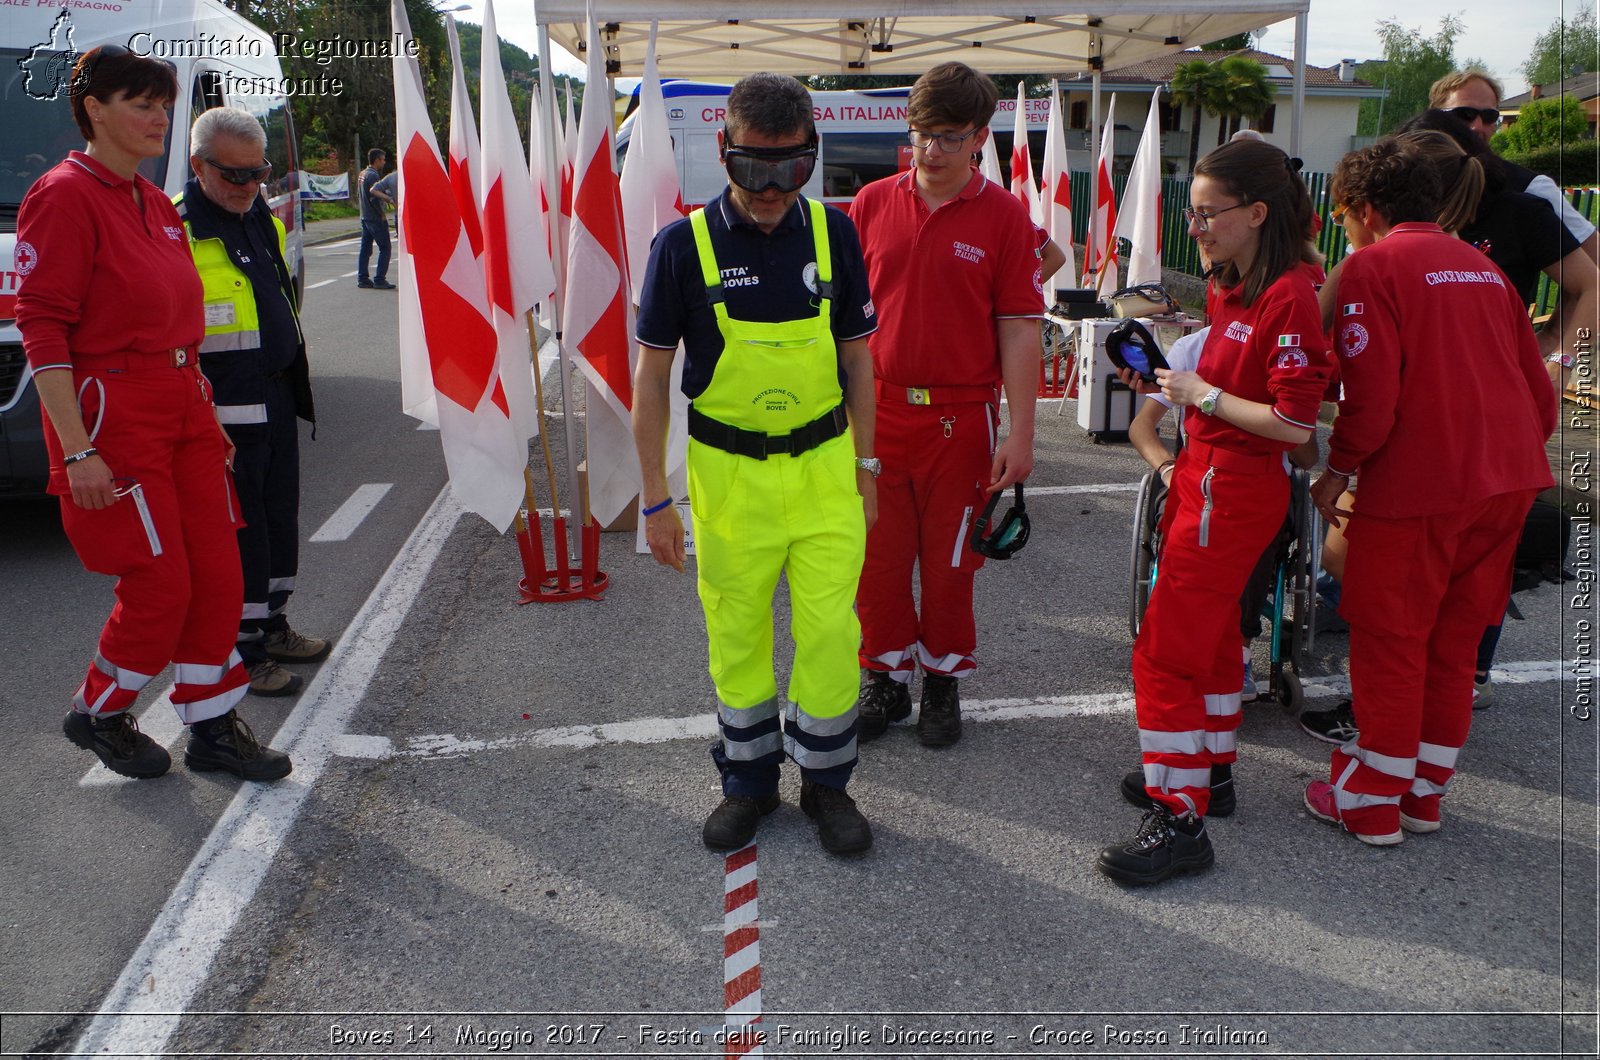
490, 843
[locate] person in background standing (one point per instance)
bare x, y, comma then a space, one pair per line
374, 224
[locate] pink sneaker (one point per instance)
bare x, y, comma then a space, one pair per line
1419, 813
1320, 804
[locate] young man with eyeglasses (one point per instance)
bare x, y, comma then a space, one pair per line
254, 357
767, 292
374, 225
954, 268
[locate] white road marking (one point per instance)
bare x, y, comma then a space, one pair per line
323, 247
342, 523
703, 726
174, 960
1104, 487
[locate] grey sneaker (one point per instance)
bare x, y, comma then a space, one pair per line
285, 645
267, 678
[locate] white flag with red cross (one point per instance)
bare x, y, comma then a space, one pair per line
1055, 192
1139, 220
516, 256
1100, 251
445, 327
598, 316
1022, 185
651, 195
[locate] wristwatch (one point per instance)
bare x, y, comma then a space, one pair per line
1208, 404
870, 464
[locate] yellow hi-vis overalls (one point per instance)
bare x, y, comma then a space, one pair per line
756, 517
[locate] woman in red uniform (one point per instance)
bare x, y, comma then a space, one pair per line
111, 314
1445, 413
1254, 396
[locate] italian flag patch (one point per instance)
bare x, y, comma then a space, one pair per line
1288, 340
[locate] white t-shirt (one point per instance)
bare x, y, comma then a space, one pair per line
1575, 222
1183, 357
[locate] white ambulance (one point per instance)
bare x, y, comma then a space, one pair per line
861, 137
220, 58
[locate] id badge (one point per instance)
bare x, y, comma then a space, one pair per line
219, 314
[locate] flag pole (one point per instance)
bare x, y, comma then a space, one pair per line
544, 435
553, 182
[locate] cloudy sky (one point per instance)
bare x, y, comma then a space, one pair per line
1497, 32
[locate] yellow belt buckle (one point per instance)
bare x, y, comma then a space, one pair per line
918, 395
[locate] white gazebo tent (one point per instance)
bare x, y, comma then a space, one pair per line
717, 40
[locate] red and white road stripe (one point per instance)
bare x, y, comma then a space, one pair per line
741, 951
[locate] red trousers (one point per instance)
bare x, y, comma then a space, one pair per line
1418, 593
936, 463
169, 540
1223, 509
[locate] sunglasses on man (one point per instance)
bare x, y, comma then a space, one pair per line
237, 175
755, 169
1488, 115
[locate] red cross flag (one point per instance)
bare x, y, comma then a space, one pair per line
1055, 193
516, 255
1139, 221
651, 196
598, 311
1100, 252
444, 320
1022, 185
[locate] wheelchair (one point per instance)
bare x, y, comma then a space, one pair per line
1291, 606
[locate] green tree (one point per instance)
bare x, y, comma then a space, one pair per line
1410, 65
1243, 91
1567, 44
1195, 84
361, 115
1237, 42
1543, 123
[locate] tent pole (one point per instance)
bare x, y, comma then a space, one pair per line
1297, 119
552, 184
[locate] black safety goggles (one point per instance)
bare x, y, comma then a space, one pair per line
1130, 345
248, 175
1009, 534
759, 168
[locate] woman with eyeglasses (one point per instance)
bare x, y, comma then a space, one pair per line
111, 314
1445, 412
1254, 396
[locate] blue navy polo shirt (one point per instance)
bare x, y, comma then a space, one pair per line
764, 279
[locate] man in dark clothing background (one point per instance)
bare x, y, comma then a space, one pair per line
254, 357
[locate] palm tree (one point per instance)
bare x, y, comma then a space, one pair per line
1195, 84
1244, 91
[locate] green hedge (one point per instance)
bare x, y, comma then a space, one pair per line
1570, 165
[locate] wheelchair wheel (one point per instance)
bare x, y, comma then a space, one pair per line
1142, 556
1289, 691
1301, 575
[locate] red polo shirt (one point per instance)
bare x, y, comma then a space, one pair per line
1273, 352
1446, 398
98, 275
940, 279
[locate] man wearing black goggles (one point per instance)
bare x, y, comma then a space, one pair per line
767, 172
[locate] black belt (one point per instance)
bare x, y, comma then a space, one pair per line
760, 445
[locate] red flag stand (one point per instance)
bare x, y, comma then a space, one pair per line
540, 584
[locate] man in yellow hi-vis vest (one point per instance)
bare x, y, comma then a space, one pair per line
254, 356
767, 292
